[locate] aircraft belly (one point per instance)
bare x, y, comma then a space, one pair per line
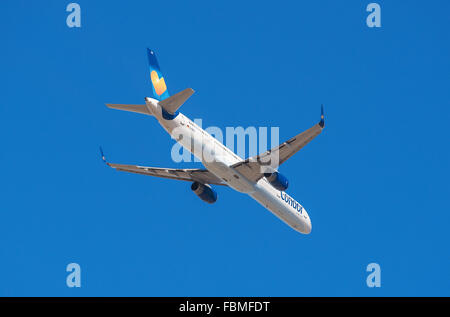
230, 176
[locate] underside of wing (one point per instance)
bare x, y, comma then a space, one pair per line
254, 167
191, 175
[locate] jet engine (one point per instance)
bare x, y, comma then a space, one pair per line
277, 180
205, 192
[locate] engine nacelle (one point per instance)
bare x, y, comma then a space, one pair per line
205, 192
277, 180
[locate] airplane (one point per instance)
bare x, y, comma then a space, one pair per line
254, 176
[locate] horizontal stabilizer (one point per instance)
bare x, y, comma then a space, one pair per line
132, 108
174, 102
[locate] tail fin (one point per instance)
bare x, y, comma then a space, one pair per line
158, 83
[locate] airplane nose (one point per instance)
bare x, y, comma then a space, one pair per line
308, 226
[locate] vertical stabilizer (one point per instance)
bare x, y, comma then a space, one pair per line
158, 83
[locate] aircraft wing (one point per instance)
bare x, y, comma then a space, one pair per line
191, 175
254, 167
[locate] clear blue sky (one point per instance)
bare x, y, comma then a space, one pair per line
376, 182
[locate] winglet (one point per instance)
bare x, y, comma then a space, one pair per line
322, 118
103, 155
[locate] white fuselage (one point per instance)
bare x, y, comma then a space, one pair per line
218, 159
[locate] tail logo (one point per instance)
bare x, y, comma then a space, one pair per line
158, 83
